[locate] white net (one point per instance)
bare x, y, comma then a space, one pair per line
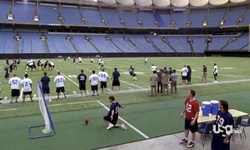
43, 108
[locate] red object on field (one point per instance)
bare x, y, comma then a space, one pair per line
86, 121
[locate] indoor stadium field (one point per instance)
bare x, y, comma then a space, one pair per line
146, 117
138, 38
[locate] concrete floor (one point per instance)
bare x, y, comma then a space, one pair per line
171, 142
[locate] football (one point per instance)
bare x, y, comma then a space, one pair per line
86, 121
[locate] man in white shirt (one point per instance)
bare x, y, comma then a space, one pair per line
59, 80
153, 68
215, 72
14, 83
94, 79
80, 60
184, 72
51, 65
145, 60
104, 78
27, 87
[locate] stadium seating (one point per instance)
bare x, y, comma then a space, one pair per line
31, 42
68, 12
49, 14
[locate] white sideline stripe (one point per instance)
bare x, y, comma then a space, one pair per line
72, 103
144, 135
132, 84
10, 109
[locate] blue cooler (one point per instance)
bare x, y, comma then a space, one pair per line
215, 106
206, 108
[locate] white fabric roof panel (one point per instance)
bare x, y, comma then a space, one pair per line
180, 3
144, 3
109, 2
218, 2
198, 3
161, 3
166, 3
237, 1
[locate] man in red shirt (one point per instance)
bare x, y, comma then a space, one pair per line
191, 111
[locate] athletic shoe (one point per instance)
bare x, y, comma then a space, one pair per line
110, 126
50, 100
190, 145
183, 141
123, 126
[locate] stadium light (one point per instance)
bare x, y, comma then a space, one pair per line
221, 22
238, 21
172, 23
164, 40
190, 41
208, 40
84, 20
156, 23
10, 17
204, 23
188, 23
36, 18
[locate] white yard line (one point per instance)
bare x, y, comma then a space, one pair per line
132, 84
72, 103
10, 109
131, 126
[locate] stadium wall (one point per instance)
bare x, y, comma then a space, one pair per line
93, 55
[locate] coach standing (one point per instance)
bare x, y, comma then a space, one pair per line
45, 85
82, 82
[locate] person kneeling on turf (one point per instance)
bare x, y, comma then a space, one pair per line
113, 114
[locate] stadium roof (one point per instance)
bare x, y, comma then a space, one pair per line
149, 3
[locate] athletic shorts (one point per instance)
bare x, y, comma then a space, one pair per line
60, 89
116, 83
216, 74
82, 87
192, 128
27, 93
103, 84
46, 90
94, 87
15, 92
184, 77
114, 121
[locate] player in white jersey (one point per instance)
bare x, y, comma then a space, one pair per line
80, 60
15, 83
145, 60
104, 78
153, 68
59, 80
184, 72
94, 79
51, 65
27, 87
215, 72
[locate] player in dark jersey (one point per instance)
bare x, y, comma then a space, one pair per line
223, 128
82, 82
113, 114
45, 85
7, 74
116, 80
